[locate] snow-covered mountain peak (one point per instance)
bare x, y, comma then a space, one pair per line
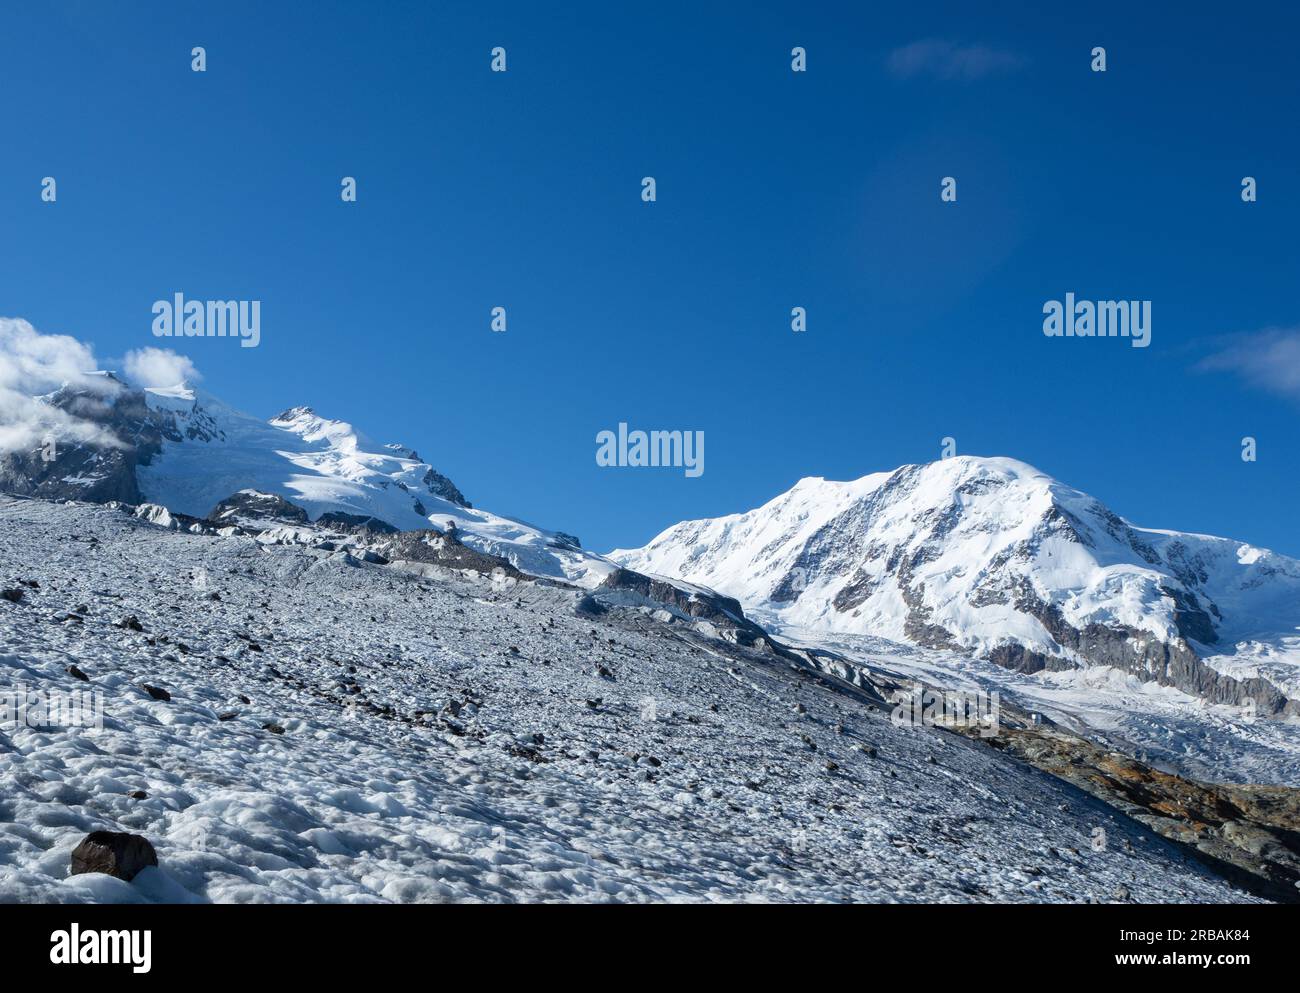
994, 557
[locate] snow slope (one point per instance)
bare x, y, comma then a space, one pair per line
342, 731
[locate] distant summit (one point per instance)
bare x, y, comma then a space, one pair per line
990, 556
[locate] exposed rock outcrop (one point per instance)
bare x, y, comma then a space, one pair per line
114, 853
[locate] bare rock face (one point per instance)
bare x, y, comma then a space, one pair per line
252, 505
440, 485
442, 548
114, 853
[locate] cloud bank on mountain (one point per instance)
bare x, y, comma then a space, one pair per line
33, 364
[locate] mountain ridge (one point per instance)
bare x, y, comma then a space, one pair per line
183, 448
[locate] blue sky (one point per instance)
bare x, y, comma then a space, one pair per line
775, 190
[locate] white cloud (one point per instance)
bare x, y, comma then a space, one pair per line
1268, 359
159, 367
943, 59
32, 363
